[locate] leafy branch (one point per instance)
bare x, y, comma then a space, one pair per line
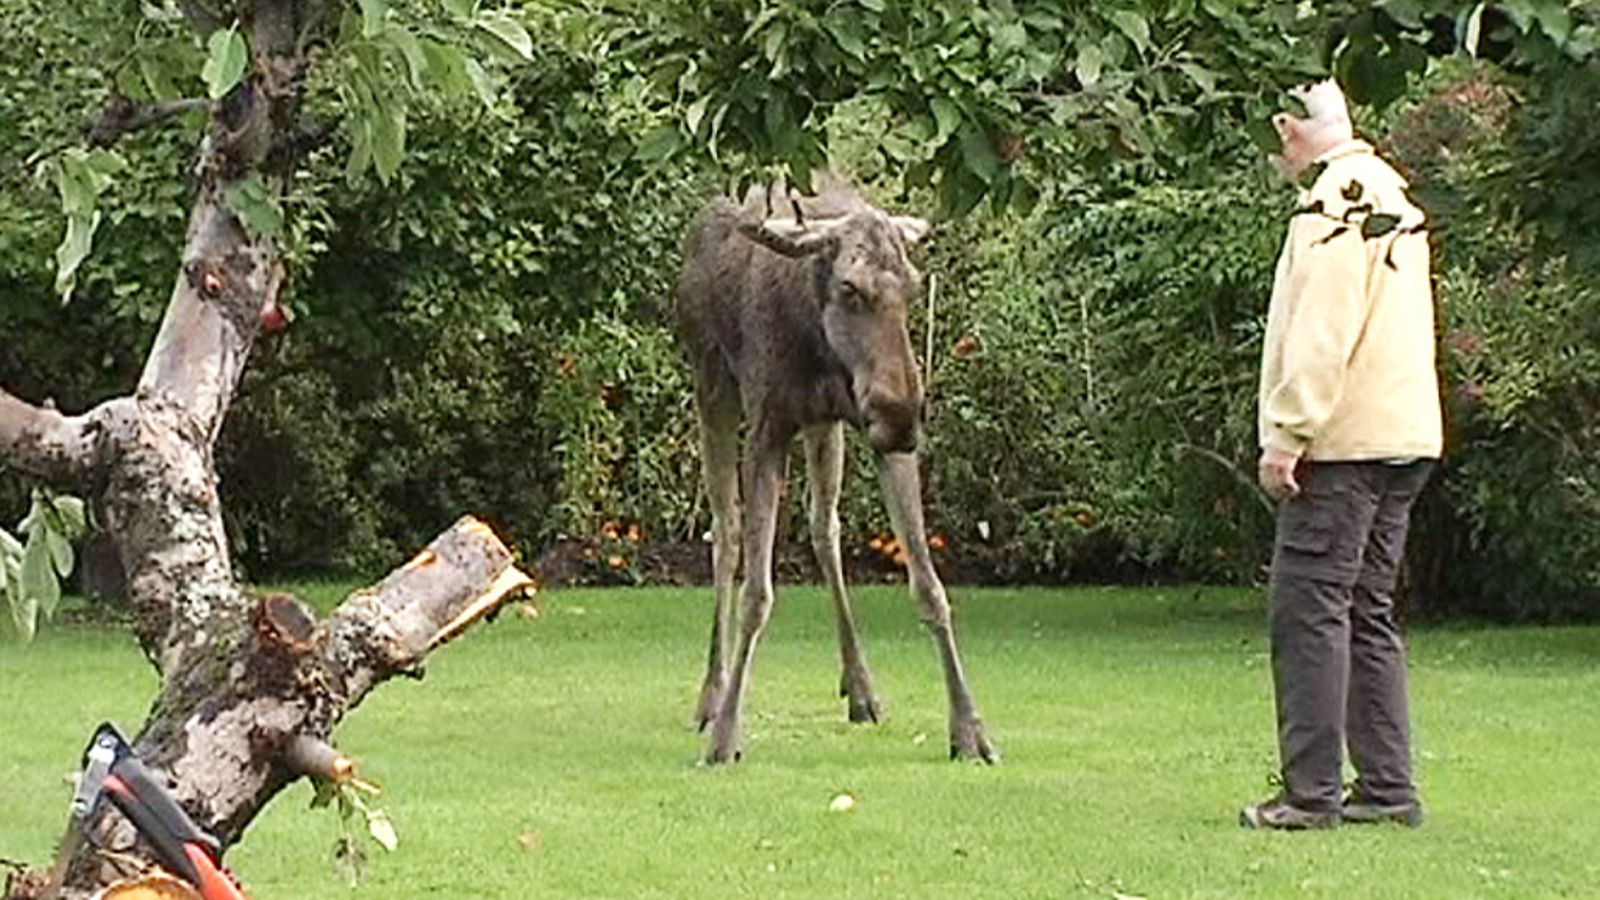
31, 570
348, 796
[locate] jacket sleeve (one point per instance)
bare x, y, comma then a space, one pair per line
1328, 305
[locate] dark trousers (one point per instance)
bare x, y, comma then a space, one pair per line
1338, 658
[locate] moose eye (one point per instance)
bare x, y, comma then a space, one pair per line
852, 296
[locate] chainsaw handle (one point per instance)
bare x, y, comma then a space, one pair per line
214, 884
112, 771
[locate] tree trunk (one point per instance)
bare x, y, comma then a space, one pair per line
244, 678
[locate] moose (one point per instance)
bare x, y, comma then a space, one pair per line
797, 325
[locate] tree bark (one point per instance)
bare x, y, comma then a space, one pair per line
48, 445
248, 683
227, 732
161, 503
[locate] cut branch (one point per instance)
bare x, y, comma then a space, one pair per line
122, 116
317, 758
62, 450
230, 732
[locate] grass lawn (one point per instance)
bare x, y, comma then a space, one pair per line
552, 757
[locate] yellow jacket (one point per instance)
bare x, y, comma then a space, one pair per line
1347, 366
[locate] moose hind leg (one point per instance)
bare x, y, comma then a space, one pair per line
903, 494
825, 472
763, 466
719, 460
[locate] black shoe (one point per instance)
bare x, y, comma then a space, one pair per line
1358, 809
1278, 814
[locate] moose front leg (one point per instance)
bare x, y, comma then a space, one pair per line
763, 469
902, 492
825, 472
719, 455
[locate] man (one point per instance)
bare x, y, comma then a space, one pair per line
1349, 429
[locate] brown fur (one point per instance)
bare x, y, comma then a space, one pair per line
799, 326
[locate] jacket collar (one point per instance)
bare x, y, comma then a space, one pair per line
1319, 166
1341, 150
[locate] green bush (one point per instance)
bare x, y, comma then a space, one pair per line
1513, 527
492, 333
425, 375
1092, 390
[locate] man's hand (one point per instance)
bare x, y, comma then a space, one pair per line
1275, 471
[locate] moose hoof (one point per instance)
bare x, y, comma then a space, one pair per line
863, 704
717, 754
968, 741
864, 710
724, 746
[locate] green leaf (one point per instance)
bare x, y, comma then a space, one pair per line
10, 560
481, 82
1308, 177
1405, 13
1009, 37
716, 128
1090, 61
1024, 196
410, 50
509, 31
73, 250
448, 66
1556, 22
766, 15
250, 200
1203, 77
60, 553
70, 512
381, 829
1134, 26
960, 191
1473, 30
39, 584
226, 58
1378, 224
389, 139
696, 113
947, 115
846, 31
360, 148
84, 175
159, 78
901, 147
325, 789
780, 124
773, 45
977, 153
659, 144
25, 615
24, 611
373, 12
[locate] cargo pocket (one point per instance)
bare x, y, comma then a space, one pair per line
1309, 540
1307, 527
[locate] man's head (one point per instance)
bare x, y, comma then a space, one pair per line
1325, 126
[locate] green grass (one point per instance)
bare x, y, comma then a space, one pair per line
1133, 723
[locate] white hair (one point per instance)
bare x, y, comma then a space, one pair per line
1325, 107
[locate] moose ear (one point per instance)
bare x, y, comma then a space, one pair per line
786, 237
912, 228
